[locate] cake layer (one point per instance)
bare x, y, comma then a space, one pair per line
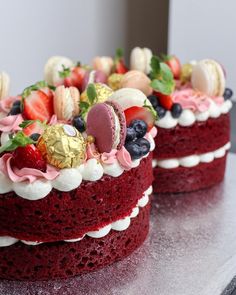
192, 160
62, 260
199, 138
68, 215
119, 225
184, 179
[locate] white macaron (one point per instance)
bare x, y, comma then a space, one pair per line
140, 59
4, 84
208, 77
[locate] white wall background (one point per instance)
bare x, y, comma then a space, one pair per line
34, 30
204, 28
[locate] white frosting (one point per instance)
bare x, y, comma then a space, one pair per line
119, 225
4, 138
192, 160
188, 117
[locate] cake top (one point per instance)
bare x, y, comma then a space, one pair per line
71, 128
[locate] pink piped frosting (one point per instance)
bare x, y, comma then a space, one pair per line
6, 103
195, 100
122, 156
25, 174
11, 123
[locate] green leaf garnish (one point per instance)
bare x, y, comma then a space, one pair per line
119, 54
65, 72
78, 64
151, 109
155, 66
91, 93
19, 140
162, 77
27, 123
84, 107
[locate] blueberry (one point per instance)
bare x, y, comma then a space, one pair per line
144, 144
16, 103
130, 134
140, 127
153, 100
134, 149
228, 93
15, 110
35, 136
176, 110
78, 123
160, 112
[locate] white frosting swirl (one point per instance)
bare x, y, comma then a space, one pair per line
192, 160
188, 117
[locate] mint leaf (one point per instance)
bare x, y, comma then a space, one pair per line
65, 72
84, 107
162, 86
119, 54
27, 123
91, 93
19, 140
78, 64
166, 72
155, 66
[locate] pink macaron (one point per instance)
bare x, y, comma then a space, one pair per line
94, 77
66, 102
106, 123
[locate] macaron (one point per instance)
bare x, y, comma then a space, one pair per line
53, 66
66, 102
129, 97
140, 59
208, 77
95, 76
4, 85
138, 80
103, 63
106, 123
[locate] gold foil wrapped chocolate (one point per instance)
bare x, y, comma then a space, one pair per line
102, 90
114, 81
62, 146
186, 72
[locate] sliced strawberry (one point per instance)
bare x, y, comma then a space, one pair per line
75, 78
48, 92
38, 106
141, 113
33, 128
120, 67
165, 100
28, 157
174, 64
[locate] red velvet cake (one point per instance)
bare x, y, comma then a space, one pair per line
75, 176
193, 107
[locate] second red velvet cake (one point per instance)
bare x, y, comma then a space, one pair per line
75, 179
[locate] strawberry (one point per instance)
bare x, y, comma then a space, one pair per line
142, 113
35, 127
73, 77
174, 64
120, 67
28, 157
38, 106
165, 100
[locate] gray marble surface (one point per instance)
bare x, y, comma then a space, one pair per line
190, 250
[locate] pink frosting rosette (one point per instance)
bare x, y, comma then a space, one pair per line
195, 100
25, 174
